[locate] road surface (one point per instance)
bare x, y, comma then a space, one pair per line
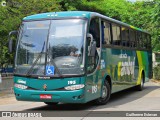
127, 100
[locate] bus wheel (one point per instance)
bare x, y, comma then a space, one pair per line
106, 93
141, 86
51, 103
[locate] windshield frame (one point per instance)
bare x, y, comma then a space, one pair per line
44, 76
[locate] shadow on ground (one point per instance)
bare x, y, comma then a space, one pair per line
116, 99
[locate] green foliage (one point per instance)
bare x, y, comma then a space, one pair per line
156, 72
70, 5
145, 15
11, 16
156, 26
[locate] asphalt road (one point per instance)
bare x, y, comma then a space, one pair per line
127, 100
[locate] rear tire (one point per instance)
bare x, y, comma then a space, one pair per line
141, 86
106, 93
51, 103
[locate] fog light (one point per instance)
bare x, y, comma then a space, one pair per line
20, 86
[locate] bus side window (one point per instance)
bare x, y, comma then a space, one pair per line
116, 35
132, 38
106, 33
148, 41
139, 40
145, 40
94, 29
125, 36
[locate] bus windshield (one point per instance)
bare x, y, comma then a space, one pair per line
51, 47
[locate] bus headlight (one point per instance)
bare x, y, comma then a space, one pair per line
74, 87
20, 86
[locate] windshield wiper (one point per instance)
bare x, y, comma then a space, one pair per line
35, 62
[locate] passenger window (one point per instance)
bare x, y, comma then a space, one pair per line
148, 41
144, 40
132, 38
139, 40
106, 34
116, 34
125, 36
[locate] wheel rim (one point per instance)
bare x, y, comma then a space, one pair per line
104, 92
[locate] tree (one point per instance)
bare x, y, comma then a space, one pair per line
11, 16
156, 26
139, 14
145, 15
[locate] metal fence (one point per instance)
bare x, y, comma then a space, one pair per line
7, 75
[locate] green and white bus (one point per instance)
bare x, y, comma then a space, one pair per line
77, 57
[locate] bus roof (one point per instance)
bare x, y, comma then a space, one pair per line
77, 14
64, 14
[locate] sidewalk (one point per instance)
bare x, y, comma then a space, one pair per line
157, 82
7, 83
6, 87
6, 93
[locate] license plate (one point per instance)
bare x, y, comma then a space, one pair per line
44, 96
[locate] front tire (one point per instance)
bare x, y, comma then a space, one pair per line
106, 93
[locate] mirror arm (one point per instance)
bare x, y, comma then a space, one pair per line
13, 33
10, 41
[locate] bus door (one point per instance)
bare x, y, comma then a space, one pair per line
93, 81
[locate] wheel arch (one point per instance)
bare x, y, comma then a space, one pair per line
142, 72
107, 78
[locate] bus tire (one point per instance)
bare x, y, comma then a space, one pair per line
51, 103
141, 86
106, 93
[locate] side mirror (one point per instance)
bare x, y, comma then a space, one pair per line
90, 37
92, 45
10, 41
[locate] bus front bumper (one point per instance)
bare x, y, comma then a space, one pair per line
76, 96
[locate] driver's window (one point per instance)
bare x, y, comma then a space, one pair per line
95, 31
